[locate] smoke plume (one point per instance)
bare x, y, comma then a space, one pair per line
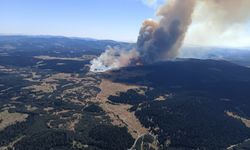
113, 57
225, 12
156, 41
220, 23
161, 40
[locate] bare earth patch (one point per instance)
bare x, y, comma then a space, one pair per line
7, 70
7, 119
119, 113
64, 76
15, 98
163, 97
33, 78
110, 88
83, 58
69, 122
60, 64
44, 87
72, 124
47, 109
160, 98
244, 120
30, 108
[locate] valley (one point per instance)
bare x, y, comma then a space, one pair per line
51, 100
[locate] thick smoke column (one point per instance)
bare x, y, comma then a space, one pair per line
157, 40
162, 40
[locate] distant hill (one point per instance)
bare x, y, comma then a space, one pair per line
93, 46
60, 43
237, 55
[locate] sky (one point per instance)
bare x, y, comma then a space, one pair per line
101, 19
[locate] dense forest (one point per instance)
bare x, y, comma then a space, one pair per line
195, 115
184, 103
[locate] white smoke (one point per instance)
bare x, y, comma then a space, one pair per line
220, 23
157, 40
161, 40
113, 58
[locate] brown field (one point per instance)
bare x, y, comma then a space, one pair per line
83, 58
43, 87
7, 119
119, 113
244, 120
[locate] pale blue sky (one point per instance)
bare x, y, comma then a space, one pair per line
102, 19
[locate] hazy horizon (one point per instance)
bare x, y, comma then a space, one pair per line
118, 20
